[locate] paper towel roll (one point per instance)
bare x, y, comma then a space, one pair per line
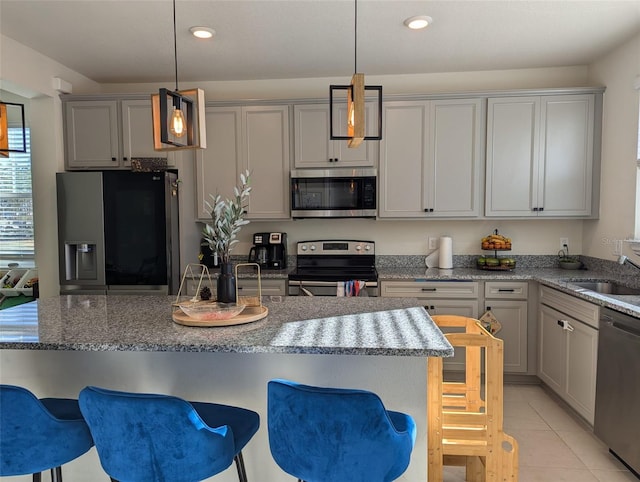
445, 260
432, 260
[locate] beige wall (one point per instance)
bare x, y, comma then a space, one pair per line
618, 71
25, 71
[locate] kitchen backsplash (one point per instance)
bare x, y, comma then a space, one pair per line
464, 261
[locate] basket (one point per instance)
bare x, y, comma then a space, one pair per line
149, 164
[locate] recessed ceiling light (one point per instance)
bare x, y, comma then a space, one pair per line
202, 32
418, 22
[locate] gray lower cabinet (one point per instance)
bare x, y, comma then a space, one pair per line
247, 287
568, 349
507, 300
440, 298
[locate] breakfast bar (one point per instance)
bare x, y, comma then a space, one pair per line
56, 346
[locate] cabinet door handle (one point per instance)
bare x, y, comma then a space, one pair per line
429, 289
535, 209
565, 325
114, 159
506, 290
124, 159
541, 209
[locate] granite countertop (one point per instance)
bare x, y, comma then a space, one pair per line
557, 278
318, 325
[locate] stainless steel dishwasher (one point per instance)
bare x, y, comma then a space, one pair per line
617, 417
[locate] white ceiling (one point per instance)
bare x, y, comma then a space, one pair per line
132, 41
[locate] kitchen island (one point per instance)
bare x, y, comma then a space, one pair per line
58, 345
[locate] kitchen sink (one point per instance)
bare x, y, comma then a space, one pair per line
607, 287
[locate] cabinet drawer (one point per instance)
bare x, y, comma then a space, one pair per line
270, 287
506, 289
430, 289
246, 287
579, 309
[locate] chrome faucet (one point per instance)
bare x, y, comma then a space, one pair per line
623, 259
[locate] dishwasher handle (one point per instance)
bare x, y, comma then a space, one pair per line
627, 330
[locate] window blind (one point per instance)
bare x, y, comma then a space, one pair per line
16, 202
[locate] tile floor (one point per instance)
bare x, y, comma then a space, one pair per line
555, 445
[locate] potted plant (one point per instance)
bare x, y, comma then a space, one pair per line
227, 218
567, 261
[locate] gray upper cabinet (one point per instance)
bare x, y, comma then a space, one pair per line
91, 131
219, 165
107, 134
240, 138
313, 148
431, 159
540, 156
265, 153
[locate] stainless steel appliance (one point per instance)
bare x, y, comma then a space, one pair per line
322, 267
269, 250
118, 232
617, 419
334, 193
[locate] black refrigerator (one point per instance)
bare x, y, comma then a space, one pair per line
118, 232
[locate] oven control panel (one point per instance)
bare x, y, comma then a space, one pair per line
336, 247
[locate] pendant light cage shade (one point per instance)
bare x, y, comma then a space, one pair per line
353, 100
354, 97
191, 104
178, 116
12, 115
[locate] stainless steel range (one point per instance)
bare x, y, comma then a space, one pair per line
334, 268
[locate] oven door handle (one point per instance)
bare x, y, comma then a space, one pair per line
311, 284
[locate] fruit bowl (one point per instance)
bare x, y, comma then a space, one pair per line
496, 264
210, 310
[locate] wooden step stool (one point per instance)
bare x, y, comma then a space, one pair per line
465, 427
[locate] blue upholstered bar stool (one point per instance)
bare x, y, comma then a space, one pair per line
39, 434
336, 435
143, 437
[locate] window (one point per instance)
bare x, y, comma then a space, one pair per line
16, 202
637, 228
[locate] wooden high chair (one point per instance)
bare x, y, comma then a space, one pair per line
465, 422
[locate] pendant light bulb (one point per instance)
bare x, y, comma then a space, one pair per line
351, 116
178, 122
3, 121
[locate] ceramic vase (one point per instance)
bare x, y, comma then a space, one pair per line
226, 286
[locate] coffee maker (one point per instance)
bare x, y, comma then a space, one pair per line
269, 250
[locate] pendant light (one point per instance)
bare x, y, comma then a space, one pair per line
355, 98
16, 111
178, 116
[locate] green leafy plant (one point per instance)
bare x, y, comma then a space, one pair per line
227, 218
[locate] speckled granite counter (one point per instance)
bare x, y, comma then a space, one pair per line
557, 278
353, 326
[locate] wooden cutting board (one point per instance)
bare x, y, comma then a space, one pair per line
248, 315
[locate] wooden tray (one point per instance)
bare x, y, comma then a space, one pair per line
249, 314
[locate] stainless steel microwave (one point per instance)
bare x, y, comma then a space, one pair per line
334, 193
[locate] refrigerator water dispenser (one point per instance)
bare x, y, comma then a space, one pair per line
80, 261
